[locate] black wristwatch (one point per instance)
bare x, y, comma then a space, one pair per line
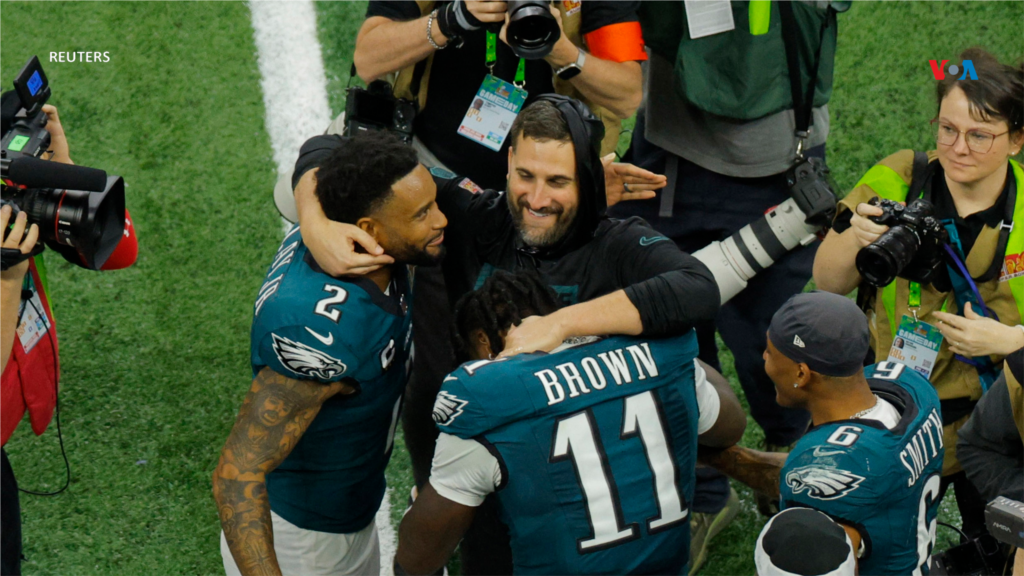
572, 69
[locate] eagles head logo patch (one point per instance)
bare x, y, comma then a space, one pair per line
447, 408
307, 361
822, 483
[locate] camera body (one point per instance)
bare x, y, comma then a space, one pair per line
911, 248
1004, 519
796, 222
811, 185
376, 108
981, 556
80, 211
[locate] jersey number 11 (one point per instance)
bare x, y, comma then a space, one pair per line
576, 438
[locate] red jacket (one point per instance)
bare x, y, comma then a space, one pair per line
29, 381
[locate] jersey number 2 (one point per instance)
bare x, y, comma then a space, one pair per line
326, 308
576, 437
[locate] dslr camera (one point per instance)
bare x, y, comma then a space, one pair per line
796, 222
811, 185
911, 248
532, 30
376, 108
79, 210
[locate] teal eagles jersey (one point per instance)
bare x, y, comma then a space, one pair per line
308, 325
596, 445
885, 483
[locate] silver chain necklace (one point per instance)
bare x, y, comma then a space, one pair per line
863, 412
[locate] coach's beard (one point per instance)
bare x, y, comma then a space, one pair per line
540, 238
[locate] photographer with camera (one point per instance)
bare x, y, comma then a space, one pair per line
730, 113
943, 273
451, 51
11, 282
77, 212
20, 389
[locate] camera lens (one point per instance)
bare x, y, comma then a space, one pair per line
880, 262
532, 30
91, 222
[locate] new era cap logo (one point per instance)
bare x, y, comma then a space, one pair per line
798, 341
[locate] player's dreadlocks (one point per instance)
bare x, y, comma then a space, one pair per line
503, 301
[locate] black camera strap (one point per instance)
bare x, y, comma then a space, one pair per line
803, 99
1006, 227
919, 177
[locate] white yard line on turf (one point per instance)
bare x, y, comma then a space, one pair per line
293, 79
295, 96
292, 76
387, 535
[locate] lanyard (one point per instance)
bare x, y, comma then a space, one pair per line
492, 58
963, 284
965, 290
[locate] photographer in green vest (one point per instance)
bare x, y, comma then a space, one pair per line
957, 298
719, 119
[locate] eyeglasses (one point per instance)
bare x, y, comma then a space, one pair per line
977, 141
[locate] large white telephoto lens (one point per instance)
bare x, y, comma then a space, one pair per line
755, 247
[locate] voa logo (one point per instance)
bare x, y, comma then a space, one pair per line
939, 69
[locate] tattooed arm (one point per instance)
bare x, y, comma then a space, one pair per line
274, 415
759, 470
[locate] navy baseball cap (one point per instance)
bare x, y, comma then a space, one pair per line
828, 332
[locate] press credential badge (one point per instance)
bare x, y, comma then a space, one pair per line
917, 345
492, 112
33, 326
708, 17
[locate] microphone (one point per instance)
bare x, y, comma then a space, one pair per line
127, 250
34, 173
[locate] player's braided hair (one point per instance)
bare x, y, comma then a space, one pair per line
503, 301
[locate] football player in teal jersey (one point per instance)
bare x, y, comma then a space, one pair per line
590, 449
872, 458
301, 475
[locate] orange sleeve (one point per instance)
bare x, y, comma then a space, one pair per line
622, 42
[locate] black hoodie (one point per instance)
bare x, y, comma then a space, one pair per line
672, 290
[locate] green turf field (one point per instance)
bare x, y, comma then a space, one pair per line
155, 358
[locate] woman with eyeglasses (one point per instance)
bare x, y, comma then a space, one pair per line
958, 320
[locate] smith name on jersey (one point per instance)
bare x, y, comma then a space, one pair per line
592, 449
308, 325
882, 480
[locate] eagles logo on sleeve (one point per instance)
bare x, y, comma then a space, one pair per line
822, 483
307, 361
447, 408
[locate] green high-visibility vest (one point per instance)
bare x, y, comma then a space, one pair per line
742, 74
889, 185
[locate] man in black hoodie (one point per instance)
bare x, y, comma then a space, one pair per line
616, 276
